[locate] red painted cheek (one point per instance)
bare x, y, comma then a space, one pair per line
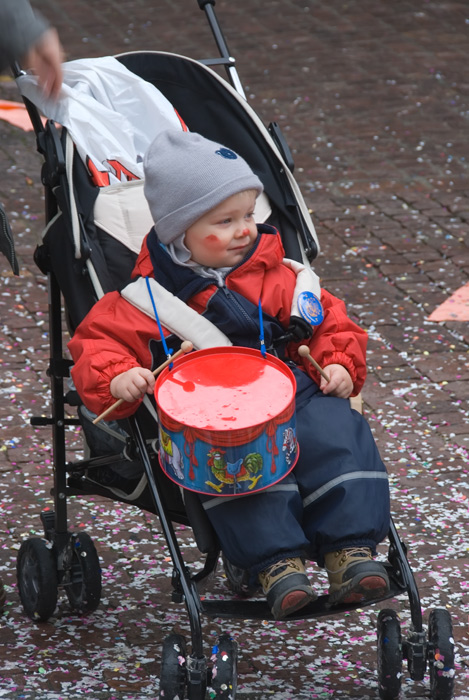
211, 238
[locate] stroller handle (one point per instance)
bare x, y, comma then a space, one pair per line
202, 3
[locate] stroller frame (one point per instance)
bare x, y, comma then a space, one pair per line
44, 565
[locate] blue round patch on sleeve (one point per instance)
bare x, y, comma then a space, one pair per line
226, 153
310, 308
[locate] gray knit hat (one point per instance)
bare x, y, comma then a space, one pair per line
186, 176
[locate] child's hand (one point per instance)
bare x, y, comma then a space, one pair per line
133, 384
340, 382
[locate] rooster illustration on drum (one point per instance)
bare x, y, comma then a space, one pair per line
248, 468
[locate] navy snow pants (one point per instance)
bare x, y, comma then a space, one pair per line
337, 495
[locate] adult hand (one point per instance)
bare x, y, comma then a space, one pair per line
133, 384
340, 382
45, 60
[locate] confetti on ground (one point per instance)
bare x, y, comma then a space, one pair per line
373, 103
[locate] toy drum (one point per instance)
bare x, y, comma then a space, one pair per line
226, 421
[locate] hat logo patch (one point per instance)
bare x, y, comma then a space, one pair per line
226, 153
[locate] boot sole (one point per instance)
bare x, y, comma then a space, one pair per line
366, 588
292, 602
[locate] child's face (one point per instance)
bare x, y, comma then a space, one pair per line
223, 236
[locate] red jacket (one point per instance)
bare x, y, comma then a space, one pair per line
115, 336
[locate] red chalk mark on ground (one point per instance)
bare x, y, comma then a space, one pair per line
455, 308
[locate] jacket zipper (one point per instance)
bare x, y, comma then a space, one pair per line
238, 309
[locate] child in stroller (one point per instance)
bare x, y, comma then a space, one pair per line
333, 507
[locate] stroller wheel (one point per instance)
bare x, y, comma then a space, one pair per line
441, 654
173, 667
36, 571
389, 655
83, 584
238, 579
223, 682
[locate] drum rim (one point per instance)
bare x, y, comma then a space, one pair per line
183, 485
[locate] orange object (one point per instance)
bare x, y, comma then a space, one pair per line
15, 113
455, 308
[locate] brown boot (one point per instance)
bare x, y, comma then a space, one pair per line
286, 587
354, 576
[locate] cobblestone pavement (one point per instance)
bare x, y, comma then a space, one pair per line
373, 97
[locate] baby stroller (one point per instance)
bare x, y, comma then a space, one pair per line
82, 261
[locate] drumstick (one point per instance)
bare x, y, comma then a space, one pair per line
186, 346
303, 351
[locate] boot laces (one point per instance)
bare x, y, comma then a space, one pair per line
344, 554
